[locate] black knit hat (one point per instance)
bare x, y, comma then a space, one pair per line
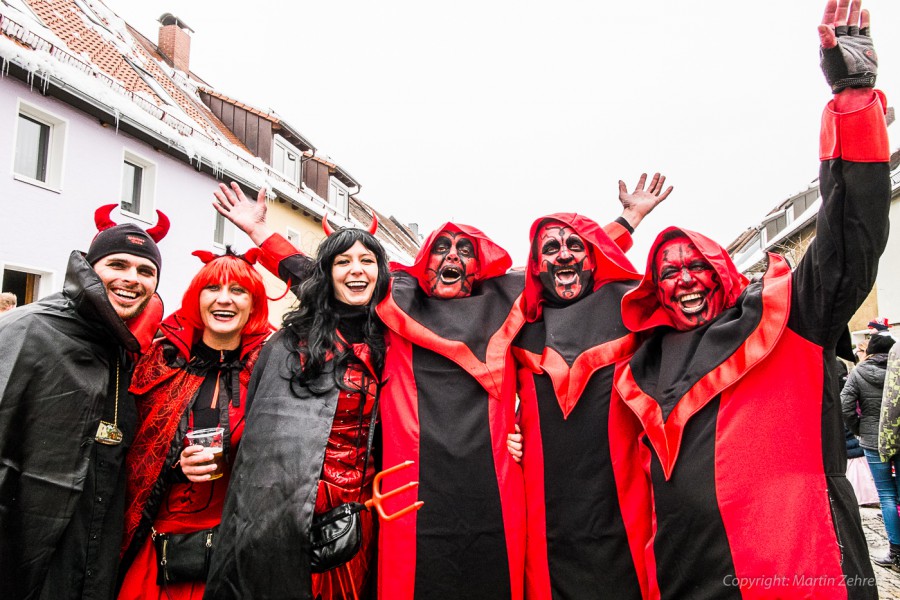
879, 343
126, 238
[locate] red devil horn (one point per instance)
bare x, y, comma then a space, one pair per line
252, 255
374, 226
286, 290
326, 227
205, 256
159, 231
101, 217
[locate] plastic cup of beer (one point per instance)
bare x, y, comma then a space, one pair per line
211, 438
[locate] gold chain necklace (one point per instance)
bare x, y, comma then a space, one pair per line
109, 433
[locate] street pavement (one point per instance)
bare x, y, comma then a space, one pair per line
888, 579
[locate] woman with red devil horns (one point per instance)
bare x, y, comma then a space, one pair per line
307, 447
194, 377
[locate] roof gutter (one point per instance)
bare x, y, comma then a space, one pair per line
108, 116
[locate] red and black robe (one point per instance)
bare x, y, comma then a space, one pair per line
587, 502
449, 403
742, 434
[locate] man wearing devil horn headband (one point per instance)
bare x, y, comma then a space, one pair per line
66, 418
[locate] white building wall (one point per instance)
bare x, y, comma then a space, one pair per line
40, 227
888, 283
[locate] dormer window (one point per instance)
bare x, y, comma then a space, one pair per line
338, 196
286, 159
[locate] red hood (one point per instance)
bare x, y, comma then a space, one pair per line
492, 259
612, 265
183, 335
640, 308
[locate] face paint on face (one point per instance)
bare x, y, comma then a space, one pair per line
452, 265
687, 286
566, 263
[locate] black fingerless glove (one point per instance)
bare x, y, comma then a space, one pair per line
852, 62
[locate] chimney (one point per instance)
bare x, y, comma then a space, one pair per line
175, 41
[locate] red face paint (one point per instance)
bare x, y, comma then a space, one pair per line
452, 265
566, 264
687, 285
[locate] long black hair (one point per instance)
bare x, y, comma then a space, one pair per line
313, 325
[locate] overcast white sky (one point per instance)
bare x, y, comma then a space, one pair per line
495, 112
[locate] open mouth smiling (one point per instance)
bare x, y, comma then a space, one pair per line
450, 275
125, 294
692, 303
357, 286
566, 276
223, 315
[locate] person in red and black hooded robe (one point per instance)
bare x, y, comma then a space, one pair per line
450, 404
731, 371
587, 515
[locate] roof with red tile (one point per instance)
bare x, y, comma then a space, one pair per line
98, 43
82, 37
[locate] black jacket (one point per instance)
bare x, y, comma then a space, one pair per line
263, 551
863, 389
57, 381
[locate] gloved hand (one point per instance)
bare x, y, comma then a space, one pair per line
847, 55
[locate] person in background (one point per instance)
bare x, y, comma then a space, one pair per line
7, 301
67, 419
194, 377
861, 407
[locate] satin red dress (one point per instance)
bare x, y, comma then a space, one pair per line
345, 455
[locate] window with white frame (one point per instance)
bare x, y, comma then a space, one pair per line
293, 236
219, 230
138, 187
286, 159
338, 196
223, 232
40, 143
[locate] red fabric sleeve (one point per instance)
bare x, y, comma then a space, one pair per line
274, 250
618, 234
855, 136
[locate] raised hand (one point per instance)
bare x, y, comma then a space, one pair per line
639, 203
247, 215
847, 54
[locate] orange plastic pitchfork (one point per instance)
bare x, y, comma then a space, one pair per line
378, 497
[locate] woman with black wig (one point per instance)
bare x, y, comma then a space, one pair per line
305, 446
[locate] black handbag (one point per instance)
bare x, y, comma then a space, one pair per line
335, 536
183, 556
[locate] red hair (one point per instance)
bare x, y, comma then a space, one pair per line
223, 270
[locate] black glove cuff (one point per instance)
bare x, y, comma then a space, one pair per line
621, 221
865, 80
